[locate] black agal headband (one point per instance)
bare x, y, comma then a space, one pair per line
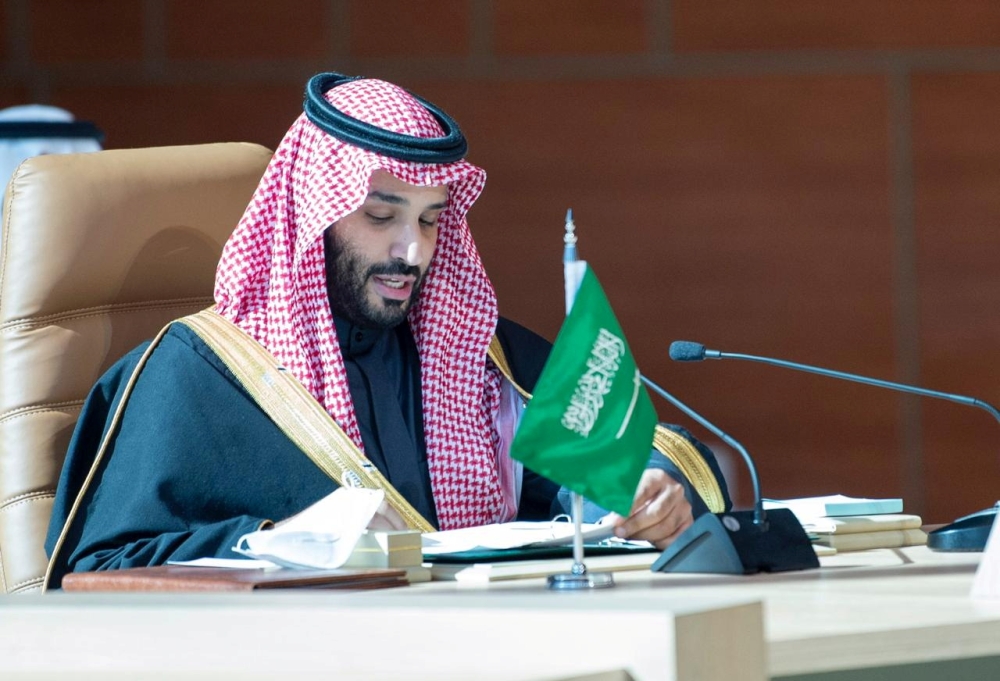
330, 119
50, 129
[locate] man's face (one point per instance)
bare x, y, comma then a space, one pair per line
376, 257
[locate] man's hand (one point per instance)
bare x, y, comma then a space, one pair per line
386, 518
660, 511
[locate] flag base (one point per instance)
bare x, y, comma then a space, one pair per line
573, 581
730, 543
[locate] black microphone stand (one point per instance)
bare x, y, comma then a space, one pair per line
968, 533
736, 542
759, 515
867, 380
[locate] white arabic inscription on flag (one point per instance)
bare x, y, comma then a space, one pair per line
588, 398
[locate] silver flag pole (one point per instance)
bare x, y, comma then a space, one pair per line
577, 577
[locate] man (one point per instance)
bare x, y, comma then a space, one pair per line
353, 274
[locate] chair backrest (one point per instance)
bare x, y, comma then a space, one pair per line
97, 252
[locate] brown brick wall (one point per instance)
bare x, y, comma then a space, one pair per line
733, 25
410, 28
84, 31
808, 180
569, 27
245, 29
956, 171
143, 115
5, 53
13, 94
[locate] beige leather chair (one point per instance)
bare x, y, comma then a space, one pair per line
97, 252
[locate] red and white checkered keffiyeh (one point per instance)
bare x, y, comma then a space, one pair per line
271, 282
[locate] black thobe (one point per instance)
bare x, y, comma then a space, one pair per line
196, 463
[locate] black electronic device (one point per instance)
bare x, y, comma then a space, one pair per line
966, 533
736, 542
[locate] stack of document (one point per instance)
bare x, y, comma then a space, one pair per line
854, 524
484, 573
518, 550
513, 535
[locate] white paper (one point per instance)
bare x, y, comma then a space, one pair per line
322, 536
509, 536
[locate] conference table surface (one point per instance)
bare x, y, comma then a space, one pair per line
863, 610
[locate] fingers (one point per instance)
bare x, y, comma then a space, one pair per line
386, 518
661, 512
657, 539
660, 520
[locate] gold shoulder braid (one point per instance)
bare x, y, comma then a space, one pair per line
692, 464
296, 411
495, 353
675, 447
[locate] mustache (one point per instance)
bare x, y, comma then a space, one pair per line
393, 268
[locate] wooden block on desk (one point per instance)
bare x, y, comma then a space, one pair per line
387, 549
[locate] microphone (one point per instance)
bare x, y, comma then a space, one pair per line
736, 542
968, 533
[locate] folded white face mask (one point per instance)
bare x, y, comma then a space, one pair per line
322, 536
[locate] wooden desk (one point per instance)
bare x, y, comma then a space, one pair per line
519, 633
870, 609
874, 609
862, 610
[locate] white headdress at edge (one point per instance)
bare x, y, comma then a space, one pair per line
56, 139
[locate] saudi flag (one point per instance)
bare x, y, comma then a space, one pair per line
589, 425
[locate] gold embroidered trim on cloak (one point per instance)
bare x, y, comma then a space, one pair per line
496, 355
296, 412
689, 460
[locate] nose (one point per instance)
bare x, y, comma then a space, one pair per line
409, 246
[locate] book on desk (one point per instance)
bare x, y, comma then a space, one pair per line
189, 578
518, 550
854, 524
834, 505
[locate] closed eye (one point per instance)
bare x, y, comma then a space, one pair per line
430, 218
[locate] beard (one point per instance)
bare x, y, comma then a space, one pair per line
347, 276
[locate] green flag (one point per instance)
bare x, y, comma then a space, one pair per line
589, 425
